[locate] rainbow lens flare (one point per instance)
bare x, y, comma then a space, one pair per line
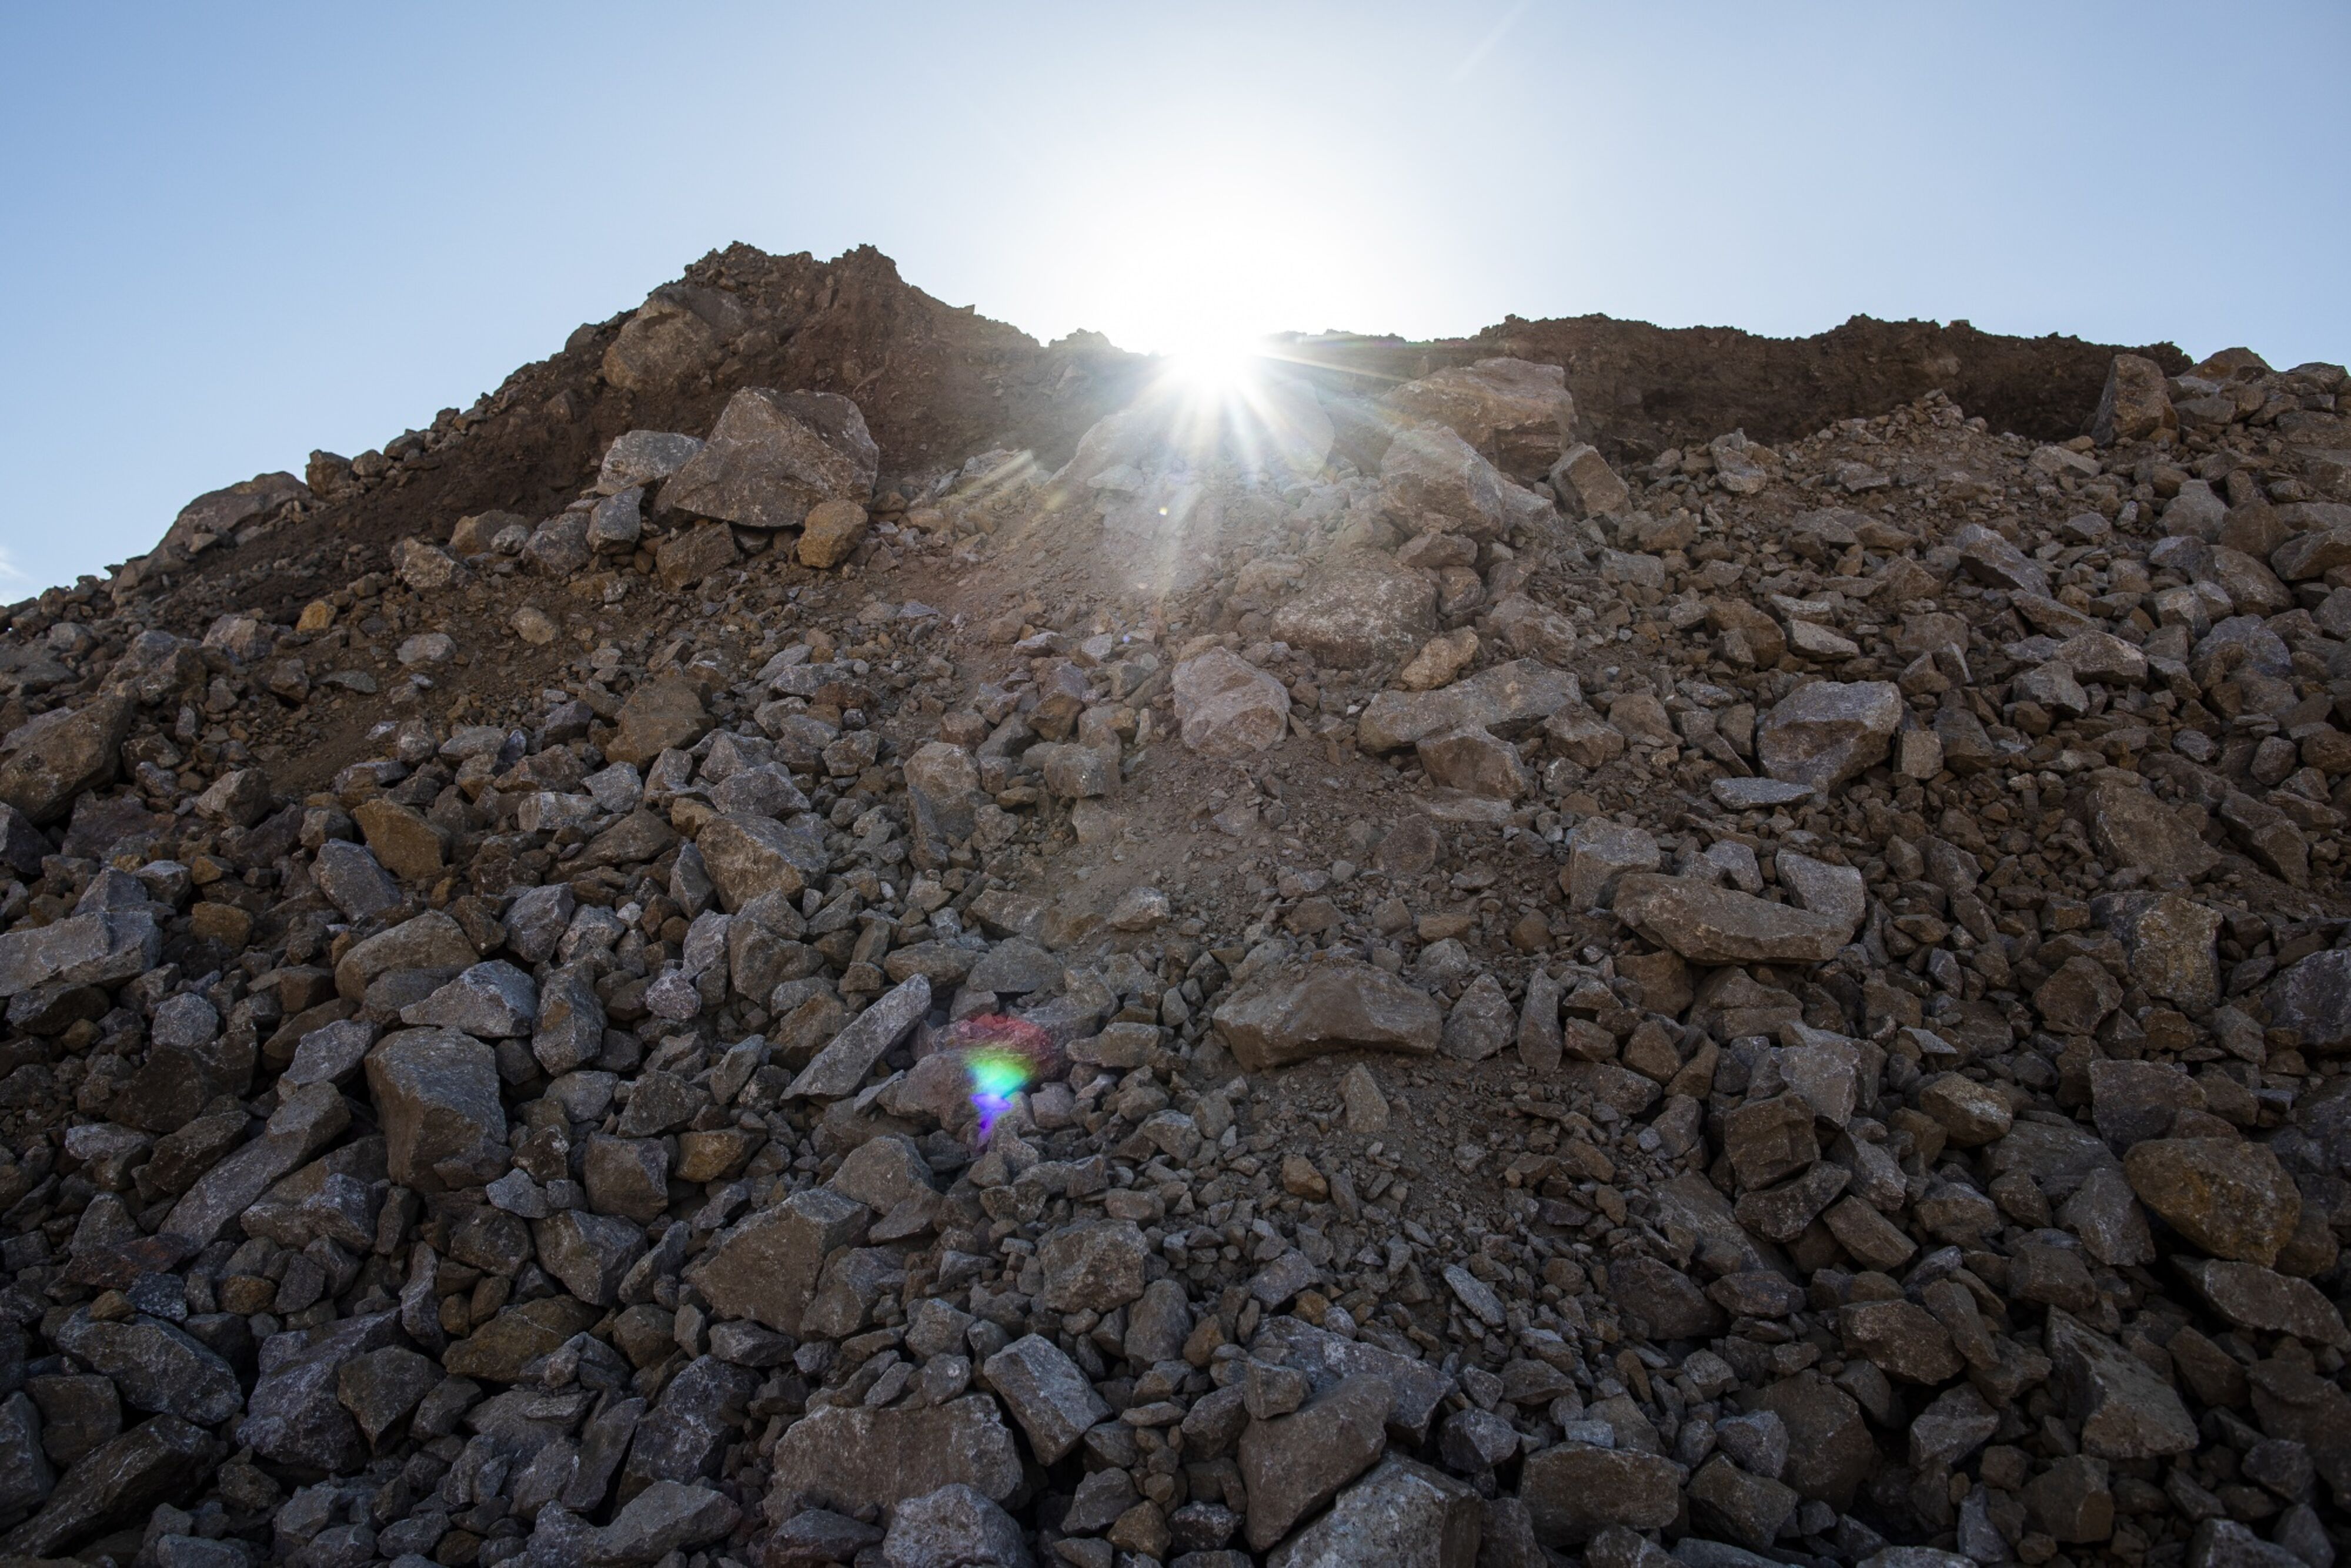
1002, 1057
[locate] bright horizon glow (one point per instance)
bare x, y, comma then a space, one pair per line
212, 282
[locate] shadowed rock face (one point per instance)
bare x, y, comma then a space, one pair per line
811, 980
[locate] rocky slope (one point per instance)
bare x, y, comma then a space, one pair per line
818, 935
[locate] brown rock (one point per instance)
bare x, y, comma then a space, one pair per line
1286, 1015
2231, 1197
662, 713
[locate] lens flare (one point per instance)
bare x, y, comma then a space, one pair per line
1001, 1057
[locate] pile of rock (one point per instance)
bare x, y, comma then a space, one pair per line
1786, 1006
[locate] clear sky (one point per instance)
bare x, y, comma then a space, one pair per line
235, 233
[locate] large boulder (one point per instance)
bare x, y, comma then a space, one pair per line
2135, 404
1227, 707
436, 1092
1516, 412
62, 753
774, 455
662, 713
679, 331
861, 1457
1824, 733
1360, 608
1288, 1016
216, 514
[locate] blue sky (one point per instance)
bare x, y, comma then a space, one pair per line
237, 233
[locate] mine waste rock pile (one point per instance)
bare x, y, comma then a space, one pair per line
819, 935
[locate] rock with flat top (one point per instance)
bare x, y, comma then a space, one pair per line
1710, 924
1285, 1016
1827, 732
773, 456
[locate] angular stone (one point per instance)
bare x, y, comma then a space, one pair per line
101, 948
644, 457
2131, 828
663, 713
2227, 1195
431, 941
1287, 1016
1600, 851
953, 1526
1586, 486
1294, 1464
863, 1457
1226, 707
1575, 1490
1473, 762
1045, 1393
117, 1484
747, 857
766, 1267
353, 880
2134, 404
436, 1092
690, 555
489, 1001
62, 754
2312, 998
296, 1416
1824, 733
1710, 924
1901, 1339
499, 1350
1095, 1266
2125, 1409
155, 1367
591, 1253
842, 1065
668, 1516
1502, 698
1403, 1514
2262, 1299
774, 455
1360, 609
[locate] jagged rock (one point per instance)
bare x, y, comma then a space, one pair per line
766, 1267
883, 1458
774, 455
2135, 404
1500, 698
159, 1459
296, 1414
1285, 1016
1359, 610
2312, 998
667, 1516
1574, 1491
661, 714
1710, 924
2126, 1409
2231, 1197
437, 1093
155, 1367
94, 949
1822, 734
951, 1527
1226, 707
1295, 1464
1517, 411
639, 458
1046, 1393
843, 1063
61, 754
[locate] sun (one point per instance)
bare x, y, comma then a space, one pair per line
1215, 363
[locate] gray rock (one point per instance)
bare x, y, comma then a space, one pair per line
536, 921
1710, 924
1294, 1465
2126, 1410
1360, 609
862, 1457
1826, 732
383, 1386
588, 1253
569, 1031
95, 949
61, 754
952, 1528
644, 457
2312, 998
667, 1516
766, 1267
1092, 1266
748, 856
296, 1414
1416, 1387
1045, 1393
353, 880
305, 1120
117, 1484
1502, 699
1574, 1491
1481, 1024
489, 1001
25, 1478
437, 1093
1599, 852
1402, 1515
155, 1366
1288, 1016
1225, 707
841, 1068
774, 455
